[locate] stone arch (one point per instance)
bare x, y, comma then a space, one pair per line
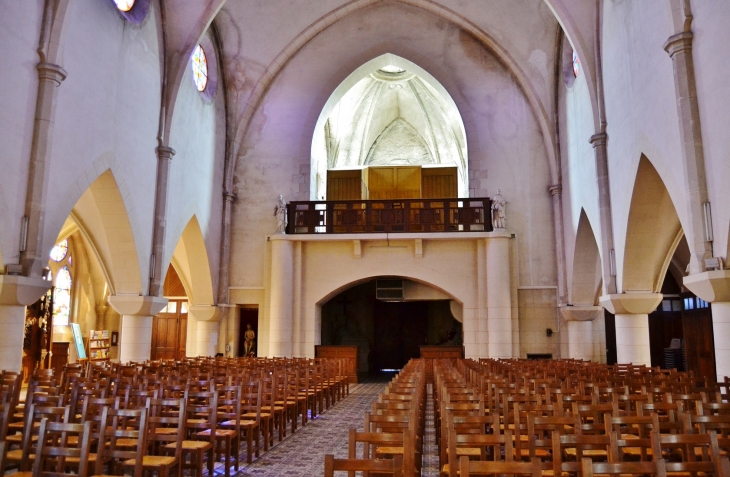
587, 270
259, 91
652, 234
329, 97
102, 211
190, 259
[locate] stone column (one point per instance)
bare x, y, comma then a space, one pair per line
556, 192
499, 301
203, 323
679, 47
164, 157
16, 292
600, 151
34, 258
135, 334
714, 287
579, 321
282, 293
632, 324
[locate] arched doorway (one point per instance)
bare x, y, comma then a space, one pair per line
388, 319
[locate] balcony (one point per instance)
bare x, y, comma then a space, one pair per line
390, 216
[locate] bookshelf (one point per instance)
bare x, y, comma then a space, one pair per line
99, 342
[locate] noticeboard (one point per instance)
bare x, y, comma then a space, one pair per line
79, 341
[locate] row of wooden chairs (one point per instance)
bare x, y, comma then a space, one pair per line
391, 441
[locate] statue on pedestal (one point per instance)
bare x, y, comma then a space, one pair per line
499, 220
280, 213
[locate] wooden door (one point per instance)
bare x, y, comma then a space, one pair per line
400, 328
699, 340
610, 320
169, 331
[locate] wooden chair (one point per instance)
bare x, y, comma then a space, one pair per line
22, 457
690, 454
478, 446
384, 444
200, 417
227, 407
250, 417
54, 449
480, 467
162, 413
385, 466
590, 468
123, 437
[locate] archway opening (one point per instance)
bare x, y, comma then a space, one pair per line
388, 319
389, 131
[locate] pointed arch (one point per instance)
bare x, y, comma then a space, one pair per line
652, 234
587, 271
103, 214
190, 259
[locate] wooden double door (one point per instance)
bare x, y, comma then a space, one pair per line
170, 331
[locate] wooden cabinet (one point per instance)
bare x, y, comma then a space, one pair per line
99, 342
60, 356
442, 352
348, 354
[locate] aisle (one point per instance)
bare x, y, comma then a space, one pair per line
302, 454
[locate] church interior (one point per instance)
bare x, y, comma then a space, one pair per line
277, 179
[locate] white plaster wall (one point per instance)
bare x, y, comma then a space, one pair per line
19, 32
641, 108
505, 145
712, 70
106, 118
196, 171
580, 186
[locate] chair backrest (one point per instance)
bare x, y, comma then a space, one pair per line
166, 413
127, 424
55, 446
656, 467
479, 467
386, 466
35, 415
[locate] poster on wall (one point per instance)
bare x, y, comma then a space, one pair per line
78, 339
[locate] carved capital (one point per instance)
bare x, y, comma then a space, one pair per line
679, 42
598, 140
51, 72
165, 152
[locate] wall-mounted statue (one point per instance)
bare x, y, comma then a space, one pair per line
499, 220
280, 213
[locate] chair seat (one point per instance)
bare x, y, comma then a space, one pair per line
75, 460
587, 452
386, 450
166, 431
246, 423
151, 461
253, 414
218, 432
126, 442
16, 455
191, 445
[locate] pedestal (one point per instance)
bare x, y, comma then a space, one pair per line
499, 302
714, 287
135, 334
16, 292
282, 292
632, 324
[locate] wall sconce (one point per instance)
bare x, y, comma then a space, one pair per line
549, 332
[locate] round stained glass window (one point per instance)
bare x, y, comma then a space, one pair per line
576, 64
59, 252
124, 5
200, 68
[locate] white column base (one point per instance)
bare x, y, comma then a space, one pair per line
721, 332
207, 339
580, 340
135, 338
632, 339
12, 322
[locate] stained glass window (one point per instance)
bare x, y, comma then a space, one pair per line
59, 252
200, 68
576, 64
124, 5
62, 297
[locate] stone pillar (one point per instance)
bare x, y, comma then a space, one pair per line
34, 258
600, 151
16, 292
135, 334
556, 192
164, 157
679, 47
203, 323
632, 324
714, 287
282, 293
579, 321
499, 302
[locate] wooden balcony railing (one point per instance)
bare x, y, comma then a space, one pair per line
392, 216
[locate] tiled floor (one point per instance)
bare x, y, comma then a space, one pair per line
302, 454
